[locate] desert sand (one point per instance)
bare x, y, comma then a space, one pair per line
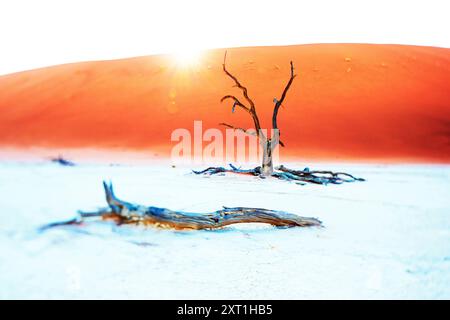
349, 101
386, 238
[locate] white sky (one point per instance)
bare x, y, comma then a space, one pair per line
47, 32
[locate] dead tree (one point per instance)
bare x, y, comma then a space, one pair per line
122, 212
269, 143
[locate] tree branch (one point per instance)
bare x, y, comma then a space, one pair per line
279, 102
237, 128
321, 176
283, 173
128, 213
236, 102
252, 109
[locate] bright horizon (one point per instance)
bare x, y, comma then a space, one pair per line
36, 34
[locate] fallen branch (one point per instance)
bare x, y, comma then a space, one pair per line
321, 176
214, 170
283, 173
122, 212
64, 162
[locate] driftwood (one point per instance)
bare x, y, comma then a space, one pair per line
300, 176
122, 212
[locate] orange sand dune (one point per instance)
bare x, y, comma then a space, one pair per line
349, 101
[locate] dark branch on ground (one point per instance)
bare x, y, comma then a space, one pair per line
122, 212
64, 162
283, 173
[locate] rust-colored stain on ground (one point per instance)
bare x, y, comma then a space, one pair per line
349, 101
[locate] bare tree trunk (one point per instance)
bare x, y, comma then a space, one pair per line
267, 163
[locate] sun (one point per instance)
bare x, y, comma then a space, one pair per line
186, 58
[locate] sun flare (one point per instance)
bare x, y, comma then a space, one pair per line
187, 57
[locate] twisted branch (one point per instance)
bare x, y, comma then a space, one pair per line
251, 109
321, 176
279, 102
122, 212
283, 173
252, 133
236, 102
